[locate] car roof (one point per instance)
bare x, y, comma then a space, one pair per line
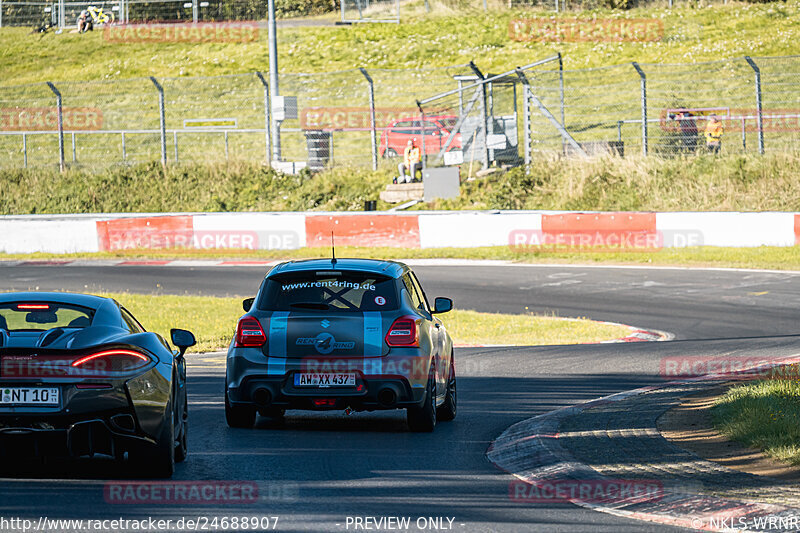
393, 269
84, 300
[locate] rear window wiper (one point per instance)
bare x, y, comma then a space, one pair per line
310, 305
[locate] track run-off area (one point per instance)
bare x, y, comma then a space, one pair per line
322, 471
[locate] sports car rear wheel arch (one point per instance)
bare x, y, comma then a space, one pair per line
447, 411
423, 418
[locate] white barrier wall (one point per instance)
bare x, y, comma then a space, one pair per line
63, 234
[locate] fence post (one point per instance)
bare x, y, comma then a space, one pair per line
484, 114
124, 151
526, 109
1, 13
423, 157
25, 150
372, 117
74, 153
163, 120
644, 106
61, 16
194, 11
267, 135
60, 111
760, 118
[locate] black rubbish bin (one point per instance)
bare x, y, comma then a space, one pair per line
319, 148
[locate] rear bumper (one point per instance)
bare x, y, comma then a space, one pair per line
369, 394
126, 415
29, 437
261, 381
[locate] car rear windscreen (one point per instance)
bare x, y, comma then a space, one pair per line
329, 291
41, 316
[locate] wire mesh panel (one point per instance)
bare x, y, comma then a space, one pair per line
29, 126
28, 13
780, 116
232, 128
102, 111
333, 123
370, 11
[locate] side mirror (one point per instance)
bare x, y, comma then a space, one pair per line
183, 339
442, 305
247, 304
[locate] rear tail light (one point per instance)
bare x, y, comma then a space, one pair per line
404, 332
249, 333
110, 361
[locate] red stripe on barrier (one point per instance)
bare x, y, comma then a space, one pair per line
397, 231
602, 230
796, 229
145, 232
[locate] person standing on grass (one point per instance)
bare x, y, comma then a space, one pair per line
412, 160
714, 131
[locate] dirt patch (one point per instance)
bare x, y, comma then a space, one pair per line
689, 426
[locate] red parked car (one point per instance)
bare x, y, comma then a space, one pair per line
437, 130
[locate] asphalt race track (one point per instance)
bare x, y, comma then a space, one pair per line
316, 470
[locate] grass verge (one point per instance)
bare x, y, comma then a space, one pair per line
764, 257
213, 321
764, 415
734, 182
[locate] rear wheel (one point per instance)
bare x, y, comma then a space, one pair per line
389, 153
423, 419
158, 460
448, 409
239, 416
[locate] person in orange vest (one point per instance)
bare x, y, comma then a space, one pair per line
714, 131
412, 161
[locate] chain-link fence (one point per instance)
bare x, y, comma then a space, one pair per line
360, 117
370, 11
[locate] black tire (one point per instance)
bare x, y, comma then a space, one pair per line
423, 419
389, 153
239, 417
181, 448
158, 460
449, 408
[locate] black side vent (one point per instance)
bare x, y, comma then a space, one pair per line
51, 336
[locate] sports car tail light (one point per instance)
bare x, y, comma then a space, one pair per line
403, 332
249, 333
114, 360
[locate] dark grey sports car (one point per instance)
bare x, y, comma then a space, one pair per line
80, 376
354, 334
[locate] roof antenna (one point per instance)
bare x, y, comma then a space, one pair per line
333, 251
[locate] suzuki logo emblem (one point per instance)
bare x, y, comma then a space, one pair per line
325, 323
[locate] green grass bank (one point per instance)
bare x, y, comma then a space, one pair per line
703, 183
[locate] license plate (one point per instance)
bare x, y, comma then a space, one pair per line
28, 396
325, 380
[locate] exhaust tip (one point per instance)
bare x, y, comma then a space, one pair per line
262, 397
387, 397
